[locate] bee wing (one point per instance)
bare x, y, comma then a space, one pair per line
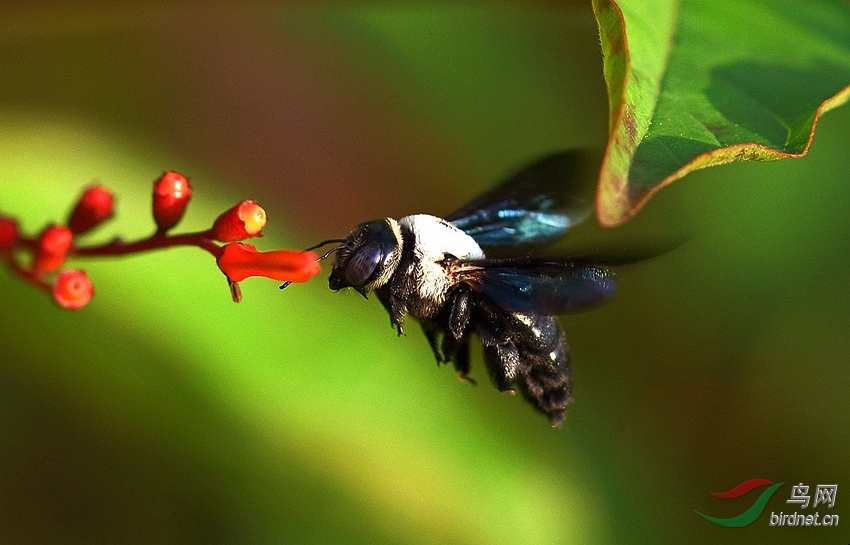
536, 205
541, 285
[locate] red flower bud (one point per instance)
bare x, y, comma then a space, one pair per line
171, 194
245, 220
8, 232
239, 261
94, 207
73, 289
53, 244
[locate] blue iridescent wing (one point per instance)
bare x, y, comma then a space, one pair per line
536, 205
539, 285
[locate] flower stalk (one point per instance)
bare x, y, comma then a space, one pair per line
73, 289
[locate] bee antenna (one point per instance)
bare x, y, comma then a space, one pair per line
325, 243
323, 256
329, 252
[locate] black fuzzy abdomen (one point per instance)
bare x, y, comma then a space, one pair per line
528, 351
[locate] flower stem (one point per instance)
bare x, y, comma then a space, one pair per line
29, 276
155, 242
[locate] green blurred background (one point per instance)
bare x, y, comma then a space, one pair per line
164, 413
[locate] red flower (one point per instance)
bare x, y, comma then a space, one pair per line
53, 245
171, 194
94, 207
73, 289
239, 261
245, 220
8, 232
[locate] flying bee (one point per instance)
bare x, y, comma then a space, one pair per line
438, 271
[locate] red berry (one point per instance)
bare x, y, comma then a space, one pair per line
245, 220
73, 289
171, 194
239, 261
53, 245
95, 206
8, 232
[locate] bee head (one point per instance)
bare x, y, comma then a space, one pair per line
368, 256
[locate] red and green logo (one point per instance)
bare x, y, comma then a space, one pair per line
750, 515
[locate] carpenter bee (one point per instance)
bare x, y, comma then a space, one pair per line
473, 273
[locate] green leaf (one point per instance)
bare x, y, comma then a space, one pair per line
697, 83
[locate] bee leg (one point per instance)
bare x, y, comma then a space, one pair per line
504, 364
457, 352
461, 360
395, 307
397, 312
459, 314
435, 336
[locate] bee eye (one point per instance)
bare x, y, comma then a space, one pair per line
363, 263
